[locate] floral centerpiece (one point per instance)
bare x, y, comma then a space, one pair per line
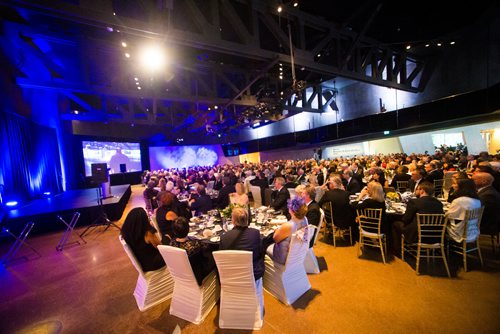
393, 196
228, 210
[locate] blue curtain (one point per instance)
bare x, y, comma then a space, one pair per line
29, 164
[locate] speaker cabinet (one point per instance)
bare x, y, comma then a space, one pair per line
99, 173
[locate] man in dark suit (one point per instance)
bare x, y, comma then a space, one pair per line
343, 214
200, 202
280, 197
217, 181
313, 214
227, 188
301, 176
261, 182
424, 203
243, 238
357, 172
352, 185
290, 181
490, 199
433, 172
417, 176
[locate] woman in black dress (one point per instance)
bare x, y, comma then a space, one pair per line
142, 240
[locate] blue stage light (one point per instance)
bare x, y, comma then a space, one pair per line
11, 203
47, 193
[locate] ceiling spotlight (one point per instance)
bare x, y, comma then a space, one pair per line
318, 55
216, 107
109, 29
137, 83
295, 3
127, 55
438, 44
76, 112
408, 47
124, 44
281, 77
139, 88
427, 45
136, 79
153, 58
280, 9
114, 14
452, 43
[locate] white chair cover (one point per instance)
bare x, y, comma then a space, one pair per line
154, 223
242, 301
310, 261
257, 198
292, 192
189, 301
288, 282
210, 185
153, 287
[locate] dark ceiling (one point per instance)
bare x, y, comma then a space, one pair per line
75, 49
401, 21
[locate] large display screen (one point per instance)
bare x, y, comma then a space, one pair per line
184, 156
120, 157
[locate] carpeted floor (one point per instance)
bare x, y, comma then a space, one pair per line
88, 289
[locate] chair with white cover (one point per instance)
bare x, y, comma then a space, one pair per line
311, 262
190, 301
370, 221
153, 287
292, 192
210, 185
289, 281
241, 297
470, 242
431, 230
257, 196
154, 223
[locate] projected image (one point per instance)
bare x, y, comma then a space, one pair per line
120, 157
184, 156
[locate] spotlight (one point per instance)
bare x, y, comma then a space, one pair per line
280, 9
438, 44
408, 47
136, 79
124, 44
153, 58
127, 55
109, 29
76, 112
427, 45
11, 204
452, 43
295, 3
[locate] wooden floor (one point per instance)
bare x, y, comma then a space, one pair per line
88, 289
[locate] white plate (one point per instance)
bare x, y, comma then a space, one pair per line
280, 217
215, 239
192, 224
192, 233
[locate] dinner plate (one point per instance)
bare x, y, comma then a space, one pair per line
215, 239
192, 233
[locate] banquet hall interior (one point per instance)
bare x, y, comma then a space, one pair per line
97, 96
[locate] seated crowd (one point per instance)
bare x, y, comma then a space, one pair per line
472, 185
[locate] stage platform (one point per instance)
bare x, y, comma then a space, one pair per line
44, 212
